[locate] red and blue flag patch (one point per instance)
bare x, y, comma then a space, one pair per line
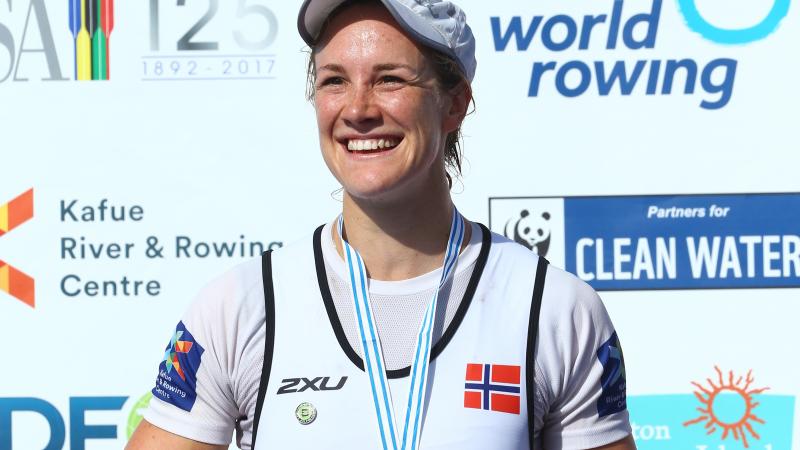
493, 387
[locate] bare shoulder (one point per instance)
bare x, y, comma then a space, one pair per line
149, 437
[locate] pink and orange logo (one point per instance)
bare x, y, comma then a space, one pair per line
176, 346
14, 282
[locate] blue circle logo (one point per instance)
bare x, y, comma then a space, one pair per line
697, 23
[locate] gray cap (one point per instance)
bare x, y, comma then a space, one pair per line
438, 24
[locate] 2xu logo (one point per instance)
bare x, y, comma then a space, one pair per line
13, 214
290, 384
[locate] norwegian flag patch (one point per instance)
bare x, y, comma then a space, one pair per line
492, 387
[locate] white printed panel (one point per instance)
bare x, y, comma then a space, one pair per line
536, 223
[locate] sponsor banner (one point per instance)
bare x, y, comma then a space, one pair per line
85, 418
93, 241
731, 422
87, 421
225, 42
663, 241
727, 411
558, 46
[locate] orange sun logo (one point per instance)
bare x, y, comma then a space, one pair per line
728, 406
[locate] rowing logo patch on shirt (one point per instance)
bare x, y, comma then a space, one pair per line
177, 374
493, 387
612, 381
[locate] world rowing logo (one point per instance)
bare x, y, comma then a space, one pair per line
697, 23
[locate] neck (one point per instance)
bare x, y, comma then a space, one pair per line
400, 240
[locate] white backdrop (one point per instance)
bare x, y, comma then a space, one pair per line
218, 145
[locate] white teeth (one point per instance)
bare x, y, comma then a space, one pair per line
370, 144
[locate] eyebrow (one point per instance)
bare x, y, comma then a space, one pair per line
392, 66
379, 67
332, 67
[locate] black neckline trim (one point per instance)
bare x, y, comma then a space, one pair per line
330, 308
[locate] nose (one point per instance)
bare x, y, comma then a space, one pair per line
361, 108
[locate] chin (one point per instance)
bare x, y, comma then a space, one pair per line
388, 190
371, 193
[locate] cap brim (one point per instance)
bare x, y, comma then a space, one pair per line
418, 27
312, 16
314, 13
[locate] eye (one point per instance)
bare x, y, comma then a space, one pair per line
391, 79
331, 81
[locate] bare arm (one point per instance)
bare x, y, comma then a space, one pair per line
624, 444
150, 437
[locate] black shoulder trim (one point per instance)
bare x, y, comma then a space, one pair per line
330, 308
269, 338
533, 331
322, 279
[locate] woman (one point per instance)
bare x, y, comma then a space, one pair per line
400, 324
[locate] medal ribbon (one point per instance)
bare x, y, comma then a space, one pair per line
391, 435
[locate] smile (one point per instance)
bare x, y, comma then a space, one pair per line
360, 145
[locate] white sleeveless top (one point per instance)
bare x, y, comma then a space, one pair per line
481, 387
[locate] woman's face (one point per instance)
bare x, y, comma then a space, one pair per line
382, 119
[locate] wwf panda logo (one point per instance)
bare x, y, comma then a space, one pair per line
532, 231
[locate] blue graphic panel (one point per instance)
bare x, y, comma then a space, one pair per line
684, 242
177, 374
612, 398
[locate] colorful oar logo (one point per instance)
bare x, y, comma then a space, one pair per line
91, 22
171, 355
13, 214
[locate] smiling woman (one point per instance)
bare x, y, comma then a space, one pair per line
382, 113
449, 77
441, 334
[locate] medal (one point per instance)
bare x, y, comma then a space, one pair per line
392, 436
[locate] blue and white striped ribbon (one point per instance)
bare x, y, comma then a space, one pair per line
392, 437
